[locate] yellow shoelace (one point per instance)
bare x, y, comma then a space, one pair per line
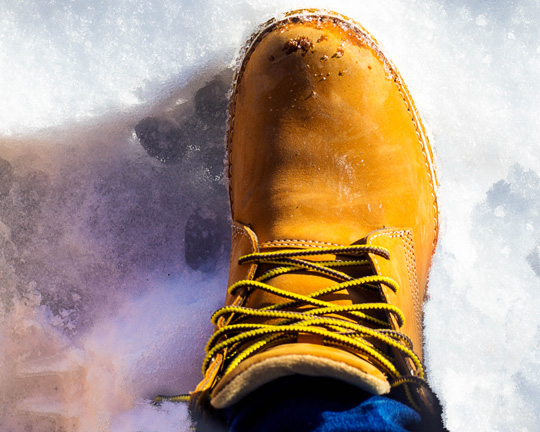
351, 326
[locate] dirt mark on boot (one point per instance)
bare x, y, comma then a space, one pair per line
340, 50
322, 38
300, 43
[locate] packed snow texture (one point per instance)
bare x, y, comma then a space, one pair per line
114, 225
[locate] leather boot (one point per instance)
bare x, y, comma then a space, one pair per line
332, 190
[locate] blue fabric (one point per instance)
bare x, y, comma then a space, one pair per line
309, 404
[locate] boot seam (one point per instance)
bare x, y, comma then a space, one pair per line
428, 162
295, 243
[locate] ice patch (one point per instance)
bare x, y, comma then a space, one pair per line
122, 363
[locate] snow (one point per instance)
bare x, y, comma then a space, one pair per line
114, 228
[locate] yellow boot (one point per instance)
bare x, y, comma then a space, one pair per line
332, 190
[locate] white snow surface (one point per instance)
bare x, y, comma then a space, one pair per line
113, 255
